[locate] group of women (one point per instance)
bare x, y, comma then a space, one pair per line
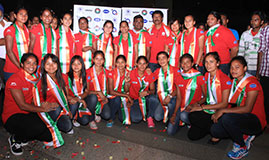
72, 80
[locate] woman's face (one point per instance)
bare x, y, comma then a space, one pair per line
30, 65
99, 60
211, 20
83, 25
46, 17
22, 16
163, 60
237, 69
189, 22
76, 66
108, 28
120, 64
67, 20
54, 23
211, 64
186, 64
142, 65
175, 26
124, 28
50, 66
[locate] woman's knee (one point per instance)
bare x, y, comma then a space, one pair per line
65, 124
184, 116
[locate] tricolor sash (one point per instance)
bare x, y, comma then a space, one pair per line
214, 93
77, 89
22, 39
142, 100
166, 29
98, 86
192, 45
238, 90
107, 48
87, 41
44, 42
165, 87
191, 86
175, 48
44, 116
64, 49
142, 49
209, 43
130, 54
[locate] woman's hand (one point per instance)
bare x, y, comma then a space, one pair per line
196, 108
166, 100
172, 119
217, 115
83, 103
49, 106
73, 100
143, 94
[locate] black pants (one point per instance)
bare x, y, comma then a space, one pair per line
265, 87
233, 125
200, 125
27, 127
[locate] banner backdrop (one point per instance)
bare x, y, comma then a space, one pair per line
129, 13
97, 15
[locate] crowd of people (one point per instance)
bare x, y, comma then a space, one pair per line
183, 75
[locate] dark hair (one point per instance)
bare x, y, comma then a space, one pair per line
187, 55
173, 20
260, 14
216, 15
162, 52
25, 56
223, 14
214, 54
58, 76
48, 9
58, 22
121, 57
83, 71
137, 17
96, 53
66, 14
142, 57
17, 10
194, 19
157, 12
124, 22
84, 19
241, 60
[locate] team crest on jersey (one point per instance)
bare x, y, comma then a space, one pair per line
180, 85
252, 85
25, 89
229, 83
13, 84
134, 82
163, 34
217, 34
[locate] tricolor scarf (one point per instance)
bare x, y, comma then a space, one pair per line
209, 43
142, 100
59, 95
87, 41
22, 39
130, 54
166, 29
64, 49
165, 87
44, 116
142, 49
192, 45
191, 86
214, 93
77, 89
175, 48
44, 42
107, 48
98, 86
238, 90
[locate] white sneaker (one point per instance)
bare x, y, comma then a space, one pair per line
93, 125
97, 118
75, 123
70, 132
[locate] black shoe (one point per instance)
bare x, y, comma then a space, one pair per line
15, 147
213, 142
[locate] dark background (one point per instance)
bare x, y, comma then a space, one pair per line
239, 11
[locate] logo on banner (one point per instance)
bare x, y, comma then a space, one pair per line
128, 20
96, 28
115, 20
145, 21
97, 19
106, 11
97, 10
151, 12
89, 19
114, 12
114, 29
144, 12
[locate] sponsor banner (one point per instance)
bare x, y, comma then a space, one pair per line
97, 15
128, 14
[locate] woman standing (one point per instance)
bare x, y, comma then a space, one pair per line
17, 42
247, 119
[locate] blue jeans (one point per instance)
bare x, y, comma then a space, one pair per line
64, 123
91, 101
234, 125
115, 106
225, 68
7, 75
84, 120
183, 116
159, 112
154, 66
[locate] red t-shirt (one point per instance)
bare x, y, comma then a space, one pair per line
182, 84
113, 75
145, 34
158, 39
66, 80
37, 31
99, 77
224, 40
80, 39
188, 39
9, 66
16, 81
258, 108
135, 85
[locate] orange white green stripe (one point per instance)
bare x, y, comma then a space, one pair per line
87, 41
107, 48
129, 58
22, 39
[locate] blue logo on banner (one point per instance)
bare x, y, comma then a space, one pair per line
128, 20
106, 11
151, 12
114, 12
97, 19
145, 21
